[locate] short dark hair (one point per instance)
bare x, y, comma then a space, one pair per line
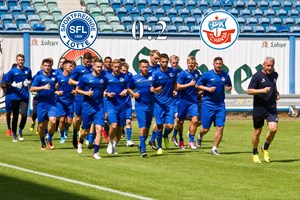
218, 58
87, 55
107, 57
143, 61
66, 62
73, 62
98, 60
14, 65
164, 55
47, 60
20, 55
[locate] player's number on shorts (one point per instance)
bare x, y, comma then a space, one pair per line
140, 34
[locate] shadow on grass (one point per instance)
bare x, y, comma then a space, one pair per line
286, 161
237, 152
12, 188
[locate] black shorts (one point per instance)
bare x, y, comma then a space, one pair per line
261, 113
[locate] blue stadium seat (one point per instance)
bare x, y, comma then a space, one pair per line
146, 12
15, 10
190, 4
24, 27
227, 5
10, 27
274, 5
263, 5
101, 20
2, 3
295, 29
264, 22
58, 18
1, 27
293, 13
270, 13
6, 18
156, 29
195, 29
51, 3
153, 4
183, 13
128, 4
20, 19
196, 13
215, 5
152, 21
11, 3
183, 29
276, 22
33, 19
47, 19
258, 29
167, 20
139, 19
121, 12
199, 21
42, 11
288, 22
286, 5
234, 12
37, 3
118, 28
296, 5
246, 29
239, 5
3, 10
160, 12
171, 29
271, 29
245, 13
89, 4
51, 27
128, 28
178, 4
171, 13
206, 11
250, 5
281, 13
283, 29
257, 13
190, 21
96, 11
241, 21
115, 4
202, 4
103, 4
57, 11
113, 20
134, 12
297, 21
141, 4
177, 21
38, 27
29, 11
165, 4
105, 28
252, 21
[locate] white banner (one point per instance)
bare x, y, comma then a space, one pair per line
297, 71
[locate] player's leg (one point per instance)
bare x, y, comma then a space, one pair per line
61, 115
193, 113
220, 118
176, 121
24, 109
42, 123
112, 117
98, 138
182, 113
33, 114
160, 120
206, 122
88, 116
16, 107
143, 122
77, 119
169, 121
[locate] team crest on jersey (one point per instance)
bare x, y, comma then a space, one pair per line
26, 72
196, 75
53, 79
150, 78
223, 78
275, 80
263, 80
121, 79
101, 81
170, 74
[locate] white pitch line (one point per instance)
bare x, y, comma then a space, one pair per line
76, 182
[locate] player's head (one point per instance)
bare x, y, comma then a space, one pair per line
20, 58
163, 60
268, 65
116, 66
94, 58
174, 61
122, 60
107, 62
218, 64
154, 57
61, 60
87, 59
144, 66
191, 63
47, 65
73, 64
67, 66
51, 61
124, 67
97, 66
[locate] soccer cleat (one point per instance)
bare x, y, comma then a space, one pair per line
43, 147
129, 143
159, 151
109, 149
79, 147
96, 156
62, 140
266, 155
142, 153
192, 145
256, 159
21, 138
8, 132
181, 143
15, 139
214, 152
199, 142
153, 145
166, 143
91, 145
50, 145
31, 129
66, 134
174, 139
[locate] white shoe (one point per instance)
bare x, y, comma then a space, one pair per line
79, 148
115, 150
109, 149
15, 139
214, 152
21, 138
129, 143
96, 156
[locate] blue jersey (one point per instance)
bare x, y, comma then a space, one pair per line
142, 84
189, 94
47, 96
153, 68
167, 80
107, 71
59, 71
78, 72
53, 72
63, 85
128, 100
117, 84
8, 88
211, 79
98, 84
19, 75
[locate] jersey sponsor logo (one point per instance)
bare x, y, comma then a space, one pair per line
212, 79
26, 72
90, 81
16, 73
44, 79
219, 30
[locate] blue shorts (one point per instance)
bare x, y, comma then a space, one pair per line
216, 115
260, 114
8, 104
105, 104
116, 116
144, 117
164, 114
129, 112
92, 115
45, 111
184, 109
78, 105
176, 106
65, 110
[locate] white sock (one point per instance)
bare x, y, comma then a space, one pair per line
214, 148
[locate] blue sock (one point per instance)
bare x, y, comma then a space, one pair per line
143, 143
166, 133
50, 138
153, 136
159, 139
180, 137
62, 134
192, 138
175, 132
20, 132
90, 137
46, 131
96, 148
43, 141
266, 145
128, 133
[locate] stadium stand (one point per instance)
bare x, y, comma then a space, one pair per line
246, 29
258, 29
24, 27
171, 29
271, 29
183, 29
190, 4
